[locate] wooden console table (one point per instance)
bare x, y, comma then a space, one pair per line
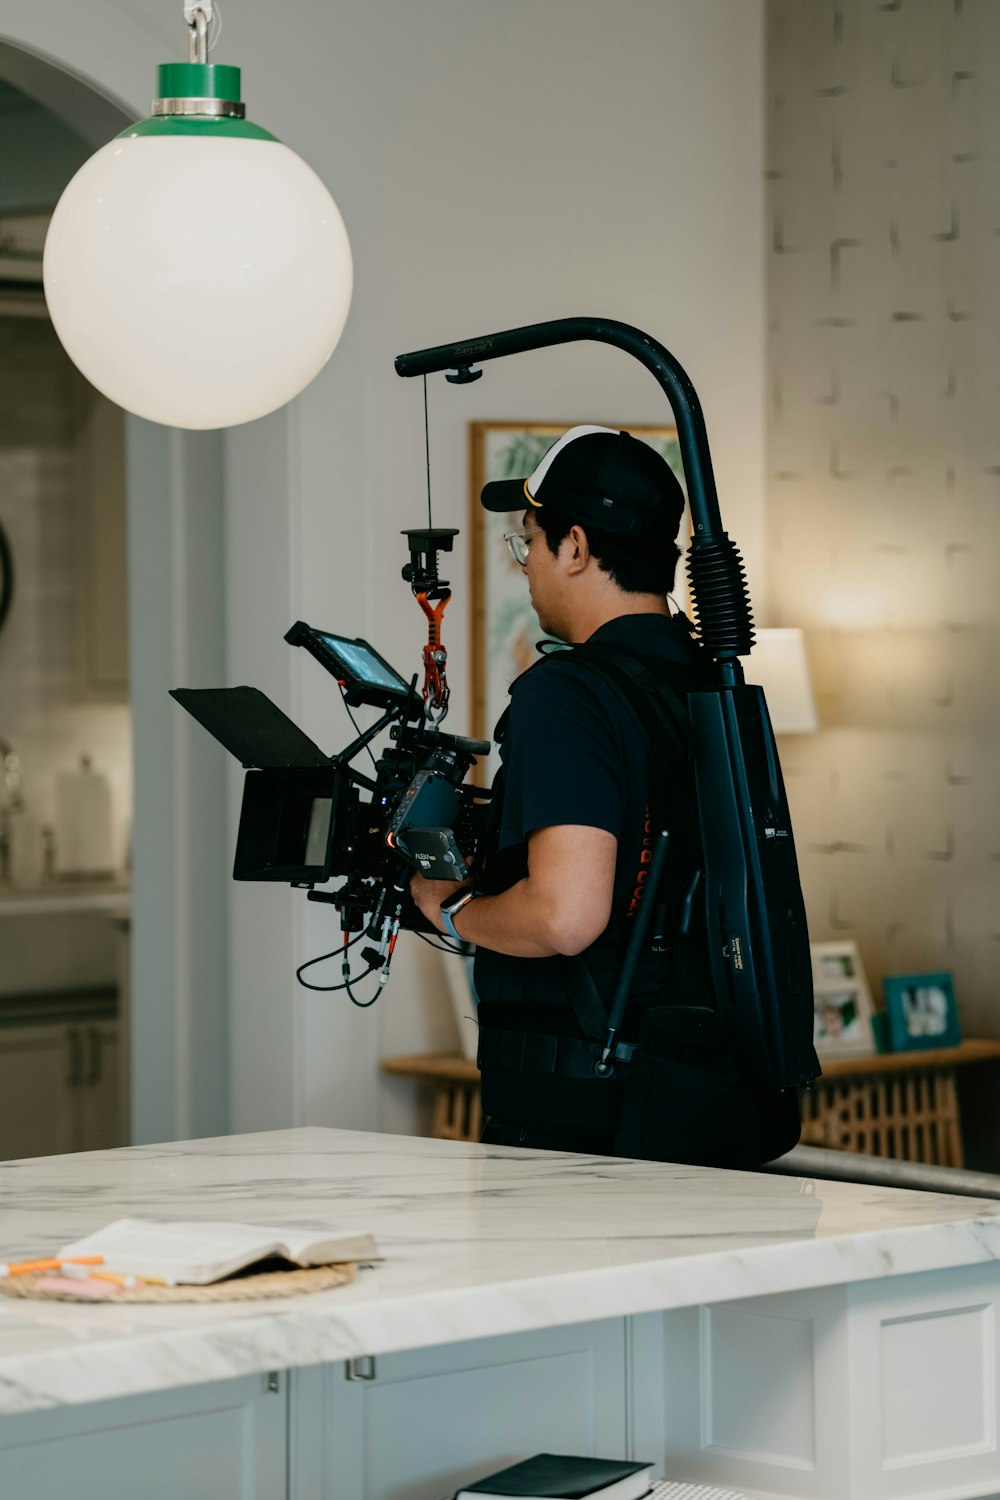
457, 1114
896, 1104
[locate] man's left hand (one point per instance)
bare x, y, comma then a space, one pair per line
429, 894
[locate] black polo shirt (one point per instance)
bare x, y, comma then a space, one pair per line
573, 752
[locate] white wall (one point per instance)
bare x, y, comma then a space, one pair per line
884, 364
496, 164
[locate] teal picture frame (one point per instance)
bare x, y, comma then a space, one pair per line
921, 1011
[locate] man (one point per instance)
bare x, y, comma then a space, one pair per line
550, 913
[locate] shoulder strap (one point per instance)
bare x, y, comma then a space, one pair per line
653, 701
666, 725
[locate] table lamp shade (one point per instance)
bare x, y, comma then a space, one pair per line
778, 663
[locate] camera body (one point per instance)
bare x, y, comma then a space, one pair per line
308, 817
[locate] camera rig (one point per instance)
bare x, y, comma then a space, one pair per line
304, 820
756, 922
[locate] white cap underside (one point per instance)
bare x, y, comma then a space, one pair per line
535, 478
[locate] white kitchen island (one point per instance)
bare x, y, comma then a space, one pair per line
774, 1334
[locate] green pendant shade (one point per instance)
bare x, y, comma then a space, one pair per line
198, 125
195, 283
186, 80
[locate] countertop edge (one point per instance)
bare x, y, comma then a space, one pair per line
314, 1330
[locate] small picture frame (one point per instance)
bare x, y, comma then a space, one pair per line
842, 1001
921, 1011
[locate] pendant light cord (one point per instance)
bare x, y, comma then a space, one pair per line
204, 23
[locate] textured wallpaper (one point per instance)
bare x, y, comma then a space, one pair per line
884, 470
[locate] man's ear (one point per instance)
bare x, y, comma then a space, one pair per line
578, 550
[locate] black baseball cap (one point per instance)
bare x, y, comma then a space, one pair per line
609, 478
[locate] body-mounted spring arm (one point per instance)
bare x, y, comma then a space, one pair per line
718, 585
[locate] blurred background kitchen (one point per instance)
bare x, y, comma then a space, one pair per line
65, 729
801, 199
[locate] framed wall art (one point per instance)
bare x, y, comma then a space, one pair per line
842, 1000
504, 629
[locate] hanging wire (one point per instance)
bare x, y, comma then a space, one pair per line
427, 450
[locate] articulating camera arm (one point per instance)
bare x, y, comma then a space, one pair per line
756, 922
722, 604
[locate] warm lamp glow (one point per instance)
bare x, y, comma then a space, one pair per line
778, 664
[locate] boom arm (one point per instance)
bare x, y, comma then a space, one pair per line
715, 569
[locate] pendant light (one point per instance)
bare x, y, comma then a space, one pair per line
196, 270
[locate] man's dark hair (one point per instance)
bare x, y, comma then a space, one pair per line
646, 565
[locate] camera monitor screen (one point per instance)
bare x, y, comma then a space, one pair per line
364, 664
367, 677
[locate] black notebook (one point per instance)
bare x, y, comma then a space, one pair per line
559, 1476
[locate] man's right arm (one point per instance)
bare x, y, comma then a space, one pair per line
561, 906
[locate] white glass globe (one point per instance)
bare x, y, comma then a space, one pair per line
197, 282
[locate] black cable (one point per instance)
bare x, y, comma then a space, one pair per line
427, 450
442, 945
363, 1004
330, 989
357, 727
321, 958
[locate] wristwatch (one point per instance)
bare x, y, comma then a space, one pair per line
450, 910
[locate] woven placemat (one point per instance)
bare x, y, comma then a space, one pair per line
242, 1289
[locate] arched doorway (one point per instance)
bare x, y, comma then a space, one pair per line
89, 67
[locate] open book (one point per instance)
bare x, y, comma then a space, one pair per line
198, 1252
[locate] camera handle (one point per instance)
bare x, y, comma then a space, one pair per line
393, 713
348, 754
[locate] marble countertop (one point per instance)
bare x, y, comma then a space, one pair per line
477, 1241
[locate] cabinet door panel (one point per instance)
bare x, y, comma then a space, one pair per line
434, 1419
38, 1065
224, 1441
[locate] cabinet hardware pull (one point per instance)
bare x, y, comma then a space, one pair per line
273, 1383
94, 1058
75, 1058
361, 1368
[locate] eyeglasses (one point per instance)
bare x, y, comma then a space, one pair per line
518, 543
